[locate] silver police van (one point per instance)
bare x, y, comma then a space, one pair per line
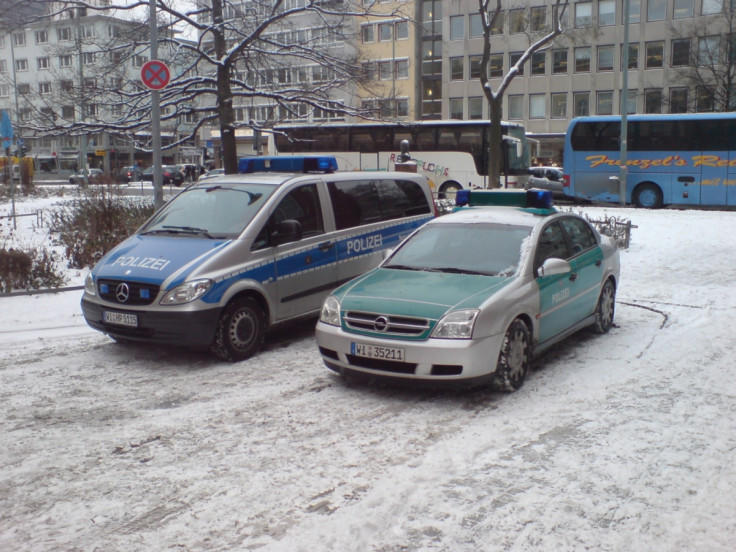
231, 256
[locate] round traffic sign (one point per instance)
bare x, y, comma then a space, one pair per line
155, 74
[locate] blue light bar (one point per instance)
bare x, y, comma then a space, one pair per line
290, 164
526, 199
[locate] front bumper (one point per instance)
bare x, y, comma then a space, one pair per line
195, 329
447, 361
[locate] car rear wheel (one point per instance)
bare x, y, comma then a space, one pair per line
514, 358
240, 331
605, 310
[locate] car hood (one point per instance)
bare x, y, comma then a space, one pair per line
417, 293
156, 259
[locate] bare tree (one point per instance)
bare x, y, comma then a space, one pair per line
489, 16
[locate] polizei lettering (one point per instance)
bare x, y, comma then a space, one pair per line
365, 243
151, 263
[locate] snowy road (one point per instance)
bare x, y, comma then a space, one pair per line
618, 442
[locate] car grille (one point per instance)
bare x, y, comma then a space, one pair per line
127, 293
385, 324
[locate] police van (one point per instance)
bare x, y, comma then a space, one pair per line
232, 256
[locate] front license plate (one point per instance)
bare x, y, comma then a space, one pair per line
374, 351
120, 318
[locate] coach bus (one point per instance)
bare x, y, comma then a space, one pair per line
452, 154
683, 159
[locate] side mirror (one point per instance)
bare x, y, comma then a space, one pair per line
286, 231
553, 267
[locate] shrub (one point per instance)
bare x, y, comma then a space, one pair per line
91, 225
28, 269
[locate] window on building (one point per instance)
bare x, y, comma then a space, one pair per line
402, 108
705, 100
539, 63
655, 54
656, 10
497, 24
24, 88
516, 106
581, 104
537, 106
559, 61
431, 97
2, 42
384, 70
538, 18
384, 32
517, 21
90, 83
139, 61
634, 11
633, 56
712, 7
653, 101
4, 90
43, 63
402, 68
432, 17
66, 85
683, 9
401, 28
678, 100
21, 65
558, 104
88, 58
44, 88
680, 52
475, 26
432, 57
583, 14
582, 59
42, 36
64, 34
474, 66
457, 68
495, 65
367, 33
65, 61
631, 100
19, 39
708, 50
475, 108
456, 108
3, 66
513, 58
457, 27
606, 13
604, 103
91, 110
605, 58
114, 31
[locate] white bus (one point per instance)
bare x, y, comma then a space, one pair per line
451, 154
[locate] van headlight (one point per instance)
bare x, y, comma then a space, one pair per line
330, 313
89, 285
186, 292
456, 325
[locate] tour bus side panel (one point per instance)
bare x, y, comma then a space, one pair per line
714, 179
731, 184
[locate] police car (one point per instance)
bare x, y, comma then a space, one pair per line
472, 296
231, 256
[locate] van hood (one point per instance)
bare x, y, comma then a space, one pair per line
156, 259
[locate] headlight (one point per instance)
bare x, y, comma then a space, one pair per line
187, 292
330, 313
456, 325
89, 285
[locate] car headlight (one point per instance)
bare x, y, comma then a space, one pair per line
187, 292
89, 285
330, 313
456, 325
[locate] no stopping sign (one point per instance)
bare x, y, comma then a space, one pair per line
155, 74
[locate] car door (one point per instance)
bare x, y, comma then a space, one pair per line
586, 260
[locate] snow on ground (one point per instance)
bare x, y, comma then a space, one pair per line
619, 442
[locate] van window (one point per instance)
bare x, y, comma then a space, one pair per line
365, 201
300, 204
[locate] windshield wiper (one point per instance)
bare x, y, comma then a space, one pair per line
252, 197
180, 230
454, 270
403, 267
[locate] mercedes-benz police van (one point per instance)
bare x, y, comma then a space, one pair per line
231, 256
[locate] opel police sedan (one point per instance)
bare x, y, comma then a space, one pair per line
472, 297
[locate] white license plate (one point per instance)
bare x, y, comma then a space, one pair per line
375, 351
120, 318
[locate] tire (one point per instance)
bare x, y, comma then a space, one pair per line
648, 196
605, 309
448, 190
514, 358
240, 331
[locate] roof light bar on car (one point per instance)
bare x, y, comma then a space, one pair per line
534, 199
291, 164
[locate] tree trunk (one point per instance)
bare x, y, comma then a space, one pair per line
495, 134
228, 145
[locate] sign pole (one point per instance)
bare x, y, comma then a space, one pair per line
158, 190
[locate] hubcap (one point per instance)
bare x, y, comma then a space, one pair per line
241, 330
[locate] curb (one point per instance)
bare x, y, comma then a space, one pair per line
41, 291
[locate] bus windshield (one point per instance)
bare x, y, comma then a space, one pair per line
680, 159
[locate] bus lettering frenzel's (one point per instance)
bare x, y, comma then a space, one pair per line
668, 161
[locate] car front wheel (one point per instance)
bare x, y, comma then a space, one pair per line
240, 331
606, 307
514, 358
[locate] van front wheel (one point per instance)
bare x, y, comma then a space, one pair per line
240, 331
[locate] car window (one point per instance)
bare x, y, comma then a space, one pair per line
354, 203
552, 244
581, 235
401, 198
301, 204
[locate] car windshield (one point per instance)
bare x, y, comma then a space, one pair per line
210, 211
487, 249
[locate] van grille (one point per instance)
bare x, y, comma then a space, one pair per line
123, 292
385, 324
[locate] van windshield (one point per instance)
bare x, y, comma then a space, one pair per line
215, 211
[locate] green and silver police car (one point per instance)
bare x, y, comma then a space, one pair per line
473, 296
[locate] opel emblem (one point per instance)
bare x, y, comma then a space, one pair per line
122, 292
380, 324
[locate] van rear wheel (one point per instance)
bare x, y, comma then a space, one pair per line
240, 331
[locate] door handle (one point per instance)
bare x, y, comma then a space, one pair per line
573, 276
598, 262
326, 246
